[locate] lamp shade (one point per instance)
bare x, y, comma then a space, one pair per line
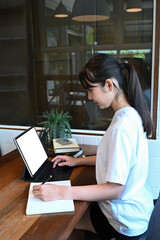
134, 6
90, 10
61, 11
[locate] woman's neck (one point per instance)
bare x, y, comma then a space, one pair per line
120, 102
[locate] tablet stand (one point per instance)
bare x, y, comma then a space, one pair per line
26, 176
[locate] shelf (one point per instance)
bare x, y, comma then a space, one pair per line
12, 74
13, 90
12, 38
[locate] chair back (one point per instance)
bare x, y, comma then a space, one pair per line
153, 232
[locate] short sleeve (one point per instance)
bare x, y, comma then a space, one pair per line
119, 157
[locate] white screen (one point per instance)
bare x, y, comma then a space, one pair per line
32, 150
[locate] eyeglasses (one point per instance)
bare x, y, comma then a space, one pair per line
91, 86
115, 85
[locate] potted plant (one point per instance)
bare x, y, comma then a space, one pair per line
55, 125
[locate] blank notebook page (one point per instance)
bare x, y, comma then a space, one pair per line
37, 206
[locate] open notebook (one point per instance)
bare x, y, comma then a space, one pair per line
37, 206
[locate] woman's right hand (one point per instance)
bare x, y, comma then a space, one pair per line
63, 160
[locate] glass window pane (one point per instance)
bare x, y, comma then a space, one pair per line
41, 56
16, 72
66, 45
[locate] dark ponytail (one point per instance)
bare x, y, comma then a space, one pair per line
133, 91
103, 66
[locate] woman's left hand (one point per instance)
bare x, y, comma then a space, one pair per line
49, 192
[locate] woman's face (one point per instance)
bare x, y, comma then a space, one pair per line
102, 96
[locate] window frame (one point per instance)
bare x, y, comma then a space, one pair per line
155, 70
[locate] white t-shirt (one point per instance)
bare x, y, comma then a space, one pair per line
122, 157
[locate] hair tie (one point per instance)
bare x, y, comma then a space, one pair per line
122, 65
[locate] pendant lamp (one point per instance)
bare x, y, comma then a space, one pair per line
61, 11
90, 10
134, 6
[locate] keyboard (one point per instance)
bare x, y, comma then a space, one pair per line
58, 173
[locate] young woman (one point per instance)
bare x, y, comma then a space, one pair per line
124, 200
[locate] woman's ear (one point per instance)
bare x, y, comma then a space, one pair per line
109, 84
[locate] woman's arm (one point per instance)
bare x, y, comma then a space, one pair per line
62, 160
107, 191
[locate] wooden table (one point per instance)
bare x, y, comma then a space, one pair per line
14, 224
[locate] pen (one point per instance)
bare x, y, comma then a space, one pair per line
88, 155
47, 179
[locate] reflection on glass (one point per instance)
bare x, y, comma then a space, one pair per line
70, 44
41, 56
